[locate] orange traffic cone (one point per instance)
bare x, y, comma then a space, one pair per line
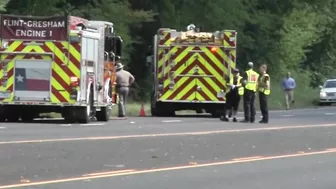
142, 111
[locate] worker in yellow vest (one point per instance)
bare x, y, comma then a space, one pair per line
250, 82
233, 96
264, 92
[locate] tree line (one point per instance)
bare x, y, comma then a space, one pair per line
287, 35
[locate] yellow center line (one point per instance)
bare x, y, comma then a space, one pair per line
109, 172
170, 134
247, 158
189, 166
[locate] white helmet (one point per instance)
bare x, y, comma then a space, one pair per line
191, 27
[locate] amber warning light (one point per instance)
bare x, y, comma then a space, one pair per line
213, 49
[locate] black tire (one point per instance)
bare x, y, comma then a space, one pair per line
103, 114
13, 118
2, 118
199, 111
159, 113
27, 117
154, 111
325, 104
216, 114
84, 113
68, 117
82, 116
161, 110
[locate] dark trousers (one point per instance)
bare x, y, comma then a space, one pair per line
249, 105
263, 106
232, 102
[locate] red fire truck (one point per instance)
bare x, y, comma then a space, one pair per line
61, 64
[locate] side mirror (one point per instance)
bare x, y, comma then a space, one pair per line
320, 87
117, 44
150, 50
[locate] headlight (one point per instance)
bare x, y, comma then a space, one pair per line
323, 94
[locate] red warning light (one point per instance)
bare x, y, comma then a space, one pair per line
213, 49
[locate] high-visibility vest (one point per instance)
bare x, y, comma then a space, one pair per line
262, 84
252, 80
239, 85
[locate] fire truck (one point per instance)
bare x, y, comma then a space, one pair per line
190, 69
62, 64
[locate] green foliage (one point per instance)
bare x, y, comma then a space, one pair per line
288, 35
3, 4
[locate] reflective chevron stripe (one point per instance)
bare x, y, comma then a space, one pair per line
65, 59
230, 39
164, 37
203, 85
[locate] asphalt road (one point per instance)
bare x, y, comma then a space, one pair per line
296, 150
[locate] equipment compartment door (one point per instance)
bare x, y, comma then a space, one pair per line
181, 80
32, 80
211, 72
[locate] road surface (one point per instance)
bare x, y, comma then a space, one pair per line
297, 149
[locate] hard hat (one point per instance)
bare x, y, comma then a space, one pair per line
235, 70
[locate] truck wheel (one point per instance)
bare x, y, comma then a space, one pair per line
154, 111
162, 113
68, 116
12, 118
27, 117
103, 114
215, 114
2, 118
84, 113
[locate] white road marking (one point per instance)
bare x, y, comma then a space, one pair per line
114, 166
329, 114
65, 125
3, 127
48, 119
209, 132
287, 115
92, 124
171, 121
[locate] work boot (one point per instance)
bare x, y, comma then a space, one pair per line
234, 119
224, 118
263, 121
252, 121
